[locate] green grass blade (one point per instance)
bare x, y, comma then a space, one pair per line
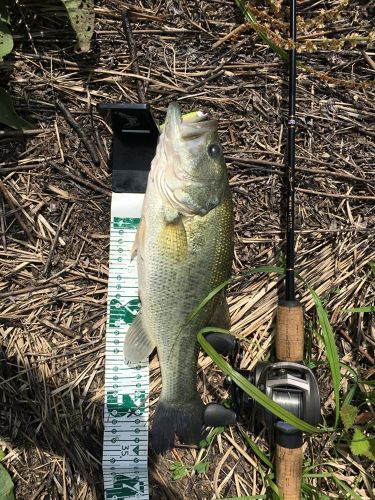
367, 382
350, 395
331, 349
258, 452
320, 474
207, 299
328, 337
311, 493
276, 493
252, 497
215, 291
364, 309
250, 389
345, 488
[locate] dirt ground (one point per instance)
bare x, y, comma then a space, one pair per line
53, 293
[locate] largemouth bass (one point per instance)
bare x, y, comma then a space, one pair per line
184, 248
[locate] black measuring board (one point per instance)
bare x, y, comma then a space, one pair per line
134, 141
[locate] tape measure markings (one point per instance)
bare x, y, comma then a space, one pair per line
125, 440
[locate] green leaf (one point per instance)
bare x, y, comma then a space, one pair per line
328, 339
8, 115
348, 415
362, 445
6, 485
6, 40
2, 454
372, 267
350, 395
201, 467
251, 497
82, 17
260, 269
311, 493
179, 471
175, 465
257, 450
207, 441
276, 493
349, 493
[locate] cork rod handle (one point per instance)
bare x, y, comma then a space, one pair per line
289, 347
289, 472
289, 338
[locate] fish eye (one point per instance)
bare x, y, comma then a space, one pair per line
214, 150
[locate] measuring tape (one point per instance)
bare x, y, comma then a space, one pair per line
125, 446
126, 386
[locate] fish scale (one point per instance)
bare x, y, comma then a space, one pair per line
175, 284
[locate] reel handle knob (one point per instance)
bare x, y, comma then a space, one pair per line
216, 415
223, 343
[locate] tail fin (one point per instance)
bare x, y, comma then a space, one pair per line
183, 420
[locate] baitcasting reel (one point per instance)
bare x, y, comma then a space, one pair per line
292, 385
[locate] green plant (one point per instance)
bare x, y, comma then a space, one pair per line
8, 115
274, 31
82, 17
6, 483
327, 337
273, 27
201, 466
361, 441
6, 39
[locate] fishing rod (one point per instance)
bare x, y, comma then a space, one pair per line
287, 381
290, 328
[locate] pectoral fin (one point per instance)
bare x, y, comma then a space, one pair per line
221, 316
137, 247
173, 238
138, 343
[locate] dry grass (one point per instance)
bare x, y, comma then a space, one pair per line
54, 218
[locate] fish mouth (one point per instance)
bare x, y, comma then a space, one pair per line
180, 168
191, 129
